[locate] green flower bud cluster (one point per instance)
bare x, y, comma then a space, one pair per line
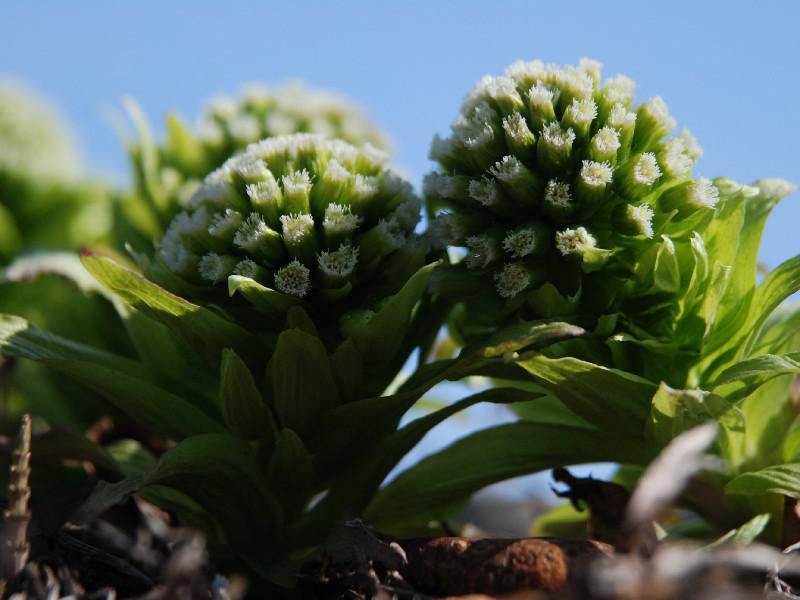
33, 139
44, 203
561, 191
307, 218
228, 125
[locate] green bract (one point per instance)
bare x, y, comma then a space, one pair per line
303, 220
167, 175
569, 201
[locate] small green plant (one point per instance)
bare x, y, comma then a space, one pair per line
293, 294
576, 212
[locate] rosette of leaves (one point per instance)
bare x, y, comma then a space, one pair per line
568, 201
742, 374
166, 175
296, 294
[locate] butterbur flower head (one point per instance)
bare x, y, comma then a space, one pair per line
311, 219
228, 125
554, 182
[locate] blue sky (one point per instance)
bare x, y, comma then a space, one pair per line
727, 70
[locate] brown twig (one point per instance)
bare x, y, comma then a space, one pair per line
16, 546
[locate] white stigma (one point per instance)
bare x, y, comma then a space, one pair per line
646, 170
596, 174
175, 253
297, 182
507, 169
557, 137
339, 263
582, 111
293, 279
335, 172
339, 219
620, 117
557, 194
642, 217
657, 109
606, 141
619, 89
407, 215
264, 192
251, 232
574, 241
513, 279
447, 230
517, 129
224, 225
703, 193
481, 251
364, 187
540, 96
212, 268
246, 268
690, 145
484, 191
520, 243
297, 227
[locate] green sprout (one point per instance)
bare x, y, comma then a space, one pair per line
619, 286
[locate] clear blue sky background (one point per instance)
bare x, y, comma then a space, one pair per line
728, 70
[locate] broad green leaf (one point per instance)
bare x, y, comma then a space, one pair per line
518, 337
220, 473
147, 153
205, 330
745, 534
290, 471
666, 273
562, 521
674, 411
356, 475
104, 496
493, 455
769, 414
791, 441
243, 408
118, 379
781, 332
260, 296
779, 284
64, 264
348, 369
548, 409
380, 340
610, 399
779, 479
10, 237
303, 385
21, 339
748, 375
57, 445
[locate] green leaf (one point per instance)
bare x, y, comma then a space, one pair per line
243, 408
302, 380
10, 238
290, 471
779, 479
146, 152
610, 399
382, 337
518, 337
118, 379
206, 331
133, 458
674, 411
666, 272
744, 377
104, 496
220, 473
348, 369
64, 264
745, 534
260, 296
562, 521
355, 474
493, 455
